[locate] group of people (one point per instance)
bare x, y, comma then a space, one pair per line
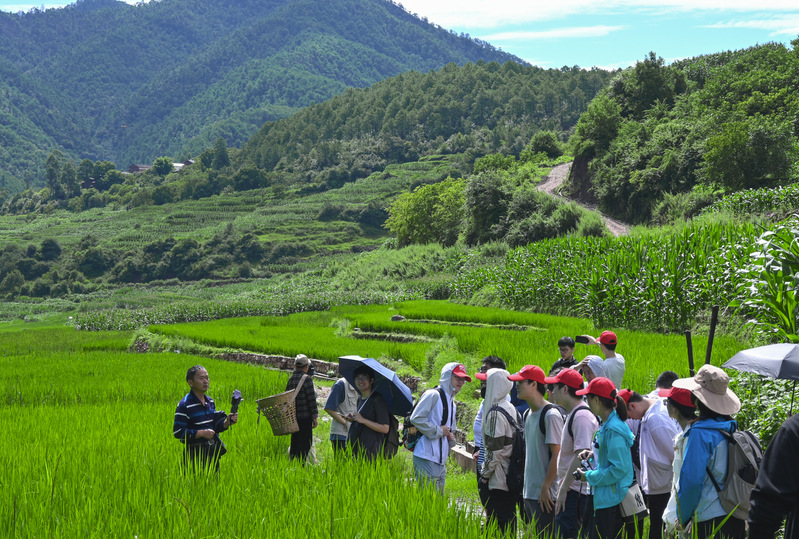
588, 444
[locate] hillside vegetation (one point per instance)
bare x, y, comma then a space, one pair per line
664, 141
104, 80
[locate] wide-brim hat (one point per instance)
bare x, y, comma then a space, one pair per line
710, 386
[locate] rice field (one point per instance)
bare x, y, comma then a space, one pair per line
88, 452
520, 338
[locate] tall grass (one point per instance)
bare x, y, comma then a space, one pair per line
89, 452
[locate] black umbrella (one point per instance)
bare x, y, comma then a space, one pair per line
775, 361
397, 395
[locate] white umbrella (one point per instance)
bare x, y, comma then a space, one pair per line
775, 361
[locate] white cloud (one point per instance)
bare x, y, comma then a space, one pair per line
554, 33
777, 26
498, 13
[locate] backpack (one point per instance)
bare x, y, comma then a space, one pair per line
410, 434
542, 424
392, 441
515, 475
570, 423
743, 465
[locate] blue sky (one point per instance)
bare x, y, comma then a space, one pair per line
607, 34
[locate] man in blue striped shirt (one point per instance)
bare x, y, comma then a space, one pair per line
198, 423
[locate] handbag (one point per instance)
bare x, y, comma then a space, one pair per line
633, 506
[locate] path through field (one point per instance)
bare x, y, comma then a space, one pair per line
552, 186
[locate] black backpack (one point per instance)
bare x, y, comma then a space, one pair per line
515, 475
570, 423
542, 424
410, 434
392, 441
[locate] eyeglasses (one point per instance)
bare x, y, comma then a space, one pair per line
362, 378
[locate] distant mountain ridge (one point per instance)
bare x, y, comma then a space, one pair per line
106, 80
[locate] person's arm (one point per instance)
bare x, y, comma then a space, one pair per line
498, 440
337, 395
545, 496
776, 492
180, 427
617, 452
380, 412
421, 415
692, 475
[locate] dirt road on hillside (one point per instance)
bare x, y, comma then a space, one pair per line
552, 186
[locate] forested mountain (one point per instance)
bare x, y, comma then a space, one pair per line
664, 140
477, 109
102, 79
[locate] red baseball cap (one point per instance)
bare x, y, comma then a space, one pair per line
529, 372
680, 395
601, 387
607, 337
570, 377
625, 394
460, 372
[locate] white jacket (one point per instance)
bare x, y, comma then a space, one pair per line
497, 430
427, 417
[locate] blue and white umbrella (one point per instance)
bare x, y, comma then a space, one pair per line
397, 395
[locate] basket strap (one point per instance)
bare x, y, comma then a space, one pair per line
297, 390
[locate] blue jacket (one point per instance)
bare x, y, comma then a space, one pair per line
705, 447
614, 474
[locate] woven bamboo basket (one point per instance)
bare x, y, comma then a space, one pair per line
281, 412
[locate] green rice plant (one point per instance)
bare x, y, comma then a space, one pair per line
92, 454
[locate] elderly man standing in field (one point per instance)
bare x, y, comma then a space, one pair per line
307, 409
198, 422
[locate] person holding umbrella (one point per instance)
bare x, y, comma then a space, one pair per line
370, 422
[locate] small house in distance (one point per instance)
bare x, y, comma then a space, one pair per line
138, 169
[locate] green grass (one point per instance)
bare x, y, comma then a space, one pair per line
314, 333
92, 454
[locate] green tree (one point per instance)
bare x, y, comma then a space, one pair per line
432, 213
50, 249
221, 156
249, 177
12, 283
163, 166
487, 202
546, 142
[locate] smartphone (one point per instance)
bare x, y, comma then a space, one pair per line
582, 339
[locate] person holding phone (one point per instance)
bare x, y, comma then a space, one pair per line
613, 365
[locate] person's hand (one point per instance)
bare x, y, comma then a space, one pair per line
233, 418
585, 454
450, 437
560, 503
445, 431
476, 455
315, 422
545, 499
208, 434
591, 340
358, 418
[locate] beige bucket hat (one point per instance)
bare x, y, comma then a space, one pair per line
710, 386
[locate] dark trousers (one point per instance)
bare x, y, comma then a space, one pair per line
569, 521
202, 456
656, 503
734, 528
339, 446
501, 508
607, 523
534, 513
301, 440
482, 490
